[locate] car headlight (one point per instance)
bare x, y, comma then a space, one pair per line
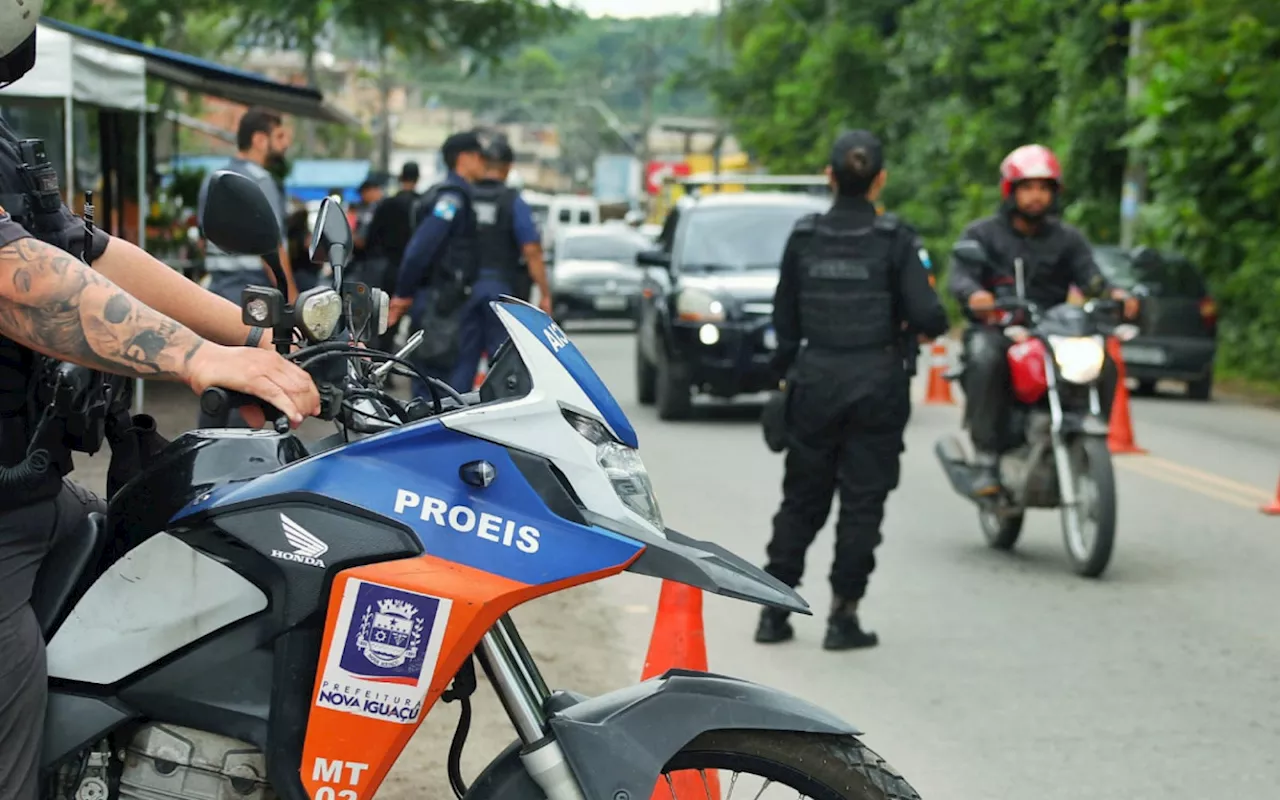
319, 311
622, 465
1079, 358
695, 305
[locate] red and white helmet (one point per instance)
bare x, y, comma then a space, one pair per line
1029, 162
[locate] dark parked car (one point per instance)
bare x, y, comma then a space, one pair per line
706, 318
1178, 323
594, 275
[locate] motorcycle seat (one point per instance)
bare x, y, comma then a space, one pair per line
63, 576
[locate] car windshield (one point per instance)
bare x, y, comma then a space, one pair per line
602, 247
1166, 274
739, 238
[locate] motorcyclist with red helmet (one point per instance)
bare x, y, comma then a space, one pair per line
1055, 256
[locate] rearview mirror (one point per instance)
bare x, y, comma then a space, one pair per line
653, 258
237, 217
331, 239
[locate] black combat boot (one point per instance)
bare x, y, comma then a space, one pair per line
843, 630
774, 627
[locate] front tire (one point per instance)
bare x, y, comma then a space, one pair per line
674, 398
823, 767
646, 378
1000, 526
1090, 548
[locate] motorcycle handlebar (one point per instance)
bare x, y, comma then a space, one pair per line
218, 403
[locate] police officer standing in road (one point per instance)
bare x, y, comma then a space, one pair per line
442, 261
850, 281
509, 240
52, 301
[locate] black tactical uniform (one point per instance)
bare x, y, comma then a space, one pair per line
38, 507
849, 281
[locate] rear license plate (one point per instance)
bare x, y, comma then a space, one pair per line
770, 339
610, 303
1153, 356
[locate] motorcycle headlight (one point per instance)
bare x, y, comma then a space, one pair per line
319, 311
622, 465
1079, 358
695, 305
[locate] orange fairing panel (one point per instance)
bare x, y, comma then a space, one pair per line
396, 634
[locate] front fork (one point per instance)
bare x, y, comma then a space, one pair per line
1061, 456
524, 693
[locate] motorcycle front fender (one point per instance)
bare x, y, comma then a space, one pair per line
1084, 424
619, 742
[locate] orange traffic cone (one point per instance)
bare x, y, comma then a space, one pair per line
678, 642
1120, 437
939, 390
1273, 508
482, 372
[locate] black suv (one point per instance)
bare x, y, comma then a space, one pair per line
706, 311
1178, 324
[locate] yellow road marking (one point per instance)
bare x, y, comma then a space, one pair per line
1262, 495
1155, 469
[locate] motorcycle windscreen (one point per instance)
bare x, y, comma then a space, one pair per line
704, 565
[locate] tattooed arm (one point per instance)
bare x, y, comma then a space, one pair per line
169, 292
53, 303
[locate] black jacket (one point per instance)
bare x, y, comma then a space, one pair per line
916, 302
1056, 256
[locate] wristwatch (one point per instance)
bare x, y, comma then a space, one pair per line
255, 337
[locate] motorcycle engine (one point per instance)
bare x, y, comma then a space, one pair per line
168, 762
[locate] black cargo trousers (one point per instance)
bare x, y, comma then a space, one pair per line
26, 536
846, 418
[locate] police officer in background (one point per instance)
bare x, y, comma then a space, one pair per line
441, 261
388, 235
509, 240
51, 301
850, 281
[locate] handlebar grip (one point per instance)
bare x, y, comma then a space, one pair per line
219, 403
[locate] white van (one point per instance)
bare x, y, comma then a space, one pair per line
568, 210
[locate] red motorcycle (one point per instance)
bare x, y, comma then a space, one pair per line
1057, 455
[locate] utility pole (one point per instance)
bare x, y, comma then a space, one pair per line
648, 83
718, 145
1134, 192
384, 86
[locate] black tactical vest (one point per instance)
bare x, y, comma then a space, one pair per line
848, 289
495, 226
457, 262
19, 365
16, 361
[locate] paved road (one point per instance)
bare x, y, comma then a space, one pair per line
1005, 676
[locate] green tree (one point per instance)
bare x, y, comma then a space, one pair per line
1211, 135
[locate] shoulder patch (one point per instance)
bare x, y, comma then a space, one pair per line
923, 253
446, 208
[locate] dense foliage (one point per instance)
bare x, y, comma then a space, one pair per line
953, 85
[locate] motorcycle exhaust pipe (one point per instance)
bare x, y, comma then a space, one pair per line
954, 462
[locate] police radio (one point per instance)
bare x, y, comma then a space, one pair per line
39, 178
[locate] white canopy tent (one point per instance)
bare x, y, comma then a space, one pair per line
76, 71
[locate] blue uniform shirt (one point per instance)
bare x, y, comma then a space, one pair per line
526, 229
441, 221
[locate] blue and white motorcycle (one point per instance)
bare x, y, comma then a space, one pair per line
284, 615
